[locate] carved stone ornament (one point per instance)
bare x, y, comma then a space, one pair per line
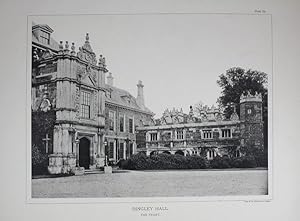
86, 53
47, 54
95, 104
80, 73
45, 105
77, 102
83, 72
219, 117
234, 116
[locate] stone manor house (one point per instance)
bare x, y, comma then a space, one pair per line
95, 119
209, 134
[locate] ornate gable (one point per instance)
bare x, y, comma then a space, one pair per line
86, 75
86, 53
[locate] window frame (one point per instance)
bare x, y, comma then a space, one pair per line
152, 136
111, 150
123, 123
45, 37
112, 121
85, 104
131, 130
224, 134
179, 136
205, 133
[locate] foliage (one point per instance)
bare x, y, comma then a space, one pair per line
39, 161
196, 162
42, 123
261, 158
220, 162
164, 161
243, 162
197, 108
175, 161
237, 81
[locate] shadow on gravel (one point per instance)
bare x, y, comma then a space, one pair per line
50, 176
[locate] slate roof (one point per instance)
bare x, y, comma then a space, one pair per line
124, 98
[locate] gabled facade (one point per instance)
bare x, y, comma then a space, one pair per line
209, 134
93, 120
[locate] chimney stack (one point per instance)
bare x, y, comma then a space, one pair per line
110, 79
140, 94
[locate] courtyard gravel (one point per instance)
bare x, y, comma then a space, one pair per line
171, 183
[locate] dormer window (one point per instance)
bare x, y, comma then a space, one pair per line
45, 37
126, 98
42, 33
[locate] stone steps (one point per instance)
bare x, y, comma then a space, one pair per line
93, 171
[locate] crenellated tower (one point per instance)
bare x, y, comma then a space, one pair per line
251, 121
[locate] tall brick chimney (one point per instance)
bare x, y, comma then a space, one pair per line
110, 79
140, 94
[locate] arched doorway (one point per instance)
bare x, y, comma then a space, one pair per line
84, 153
180, 152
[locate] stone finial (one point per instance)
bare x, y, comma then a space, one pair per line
66, 51
102, 61
191, 113
61, 47
67, 45
87, 37
73, 49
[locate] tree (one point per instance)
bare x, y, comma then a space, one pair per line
197, 108
237, 81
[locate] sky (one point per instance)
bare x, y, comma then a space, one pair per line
179, 57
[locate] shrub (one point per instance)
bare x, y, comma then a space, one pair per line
196, 162
137, 162
220, 162
123, 164
39, 161
261, 158
180, 161
243, 162
165, 161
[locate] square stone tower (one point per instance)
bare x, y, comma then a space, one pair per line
251, 121
75, 87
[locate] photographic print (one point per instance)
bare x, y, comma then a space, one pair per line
150, 105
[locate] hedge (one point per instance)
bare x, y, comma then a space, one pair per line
164, 161
220, 162
168, 161
243, 162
